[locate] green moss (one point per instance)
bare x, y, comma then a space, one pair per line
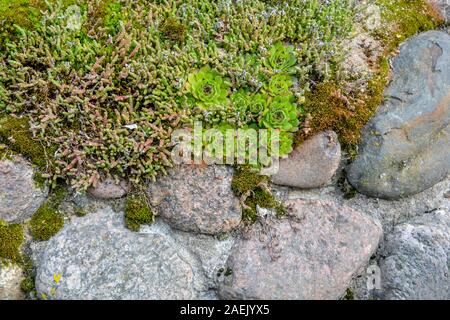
28, 283
349, 295
173, 29
24, 13
80, 212
407, 17
11, 238
247, 182
46, 222
329, 110
15, 133
137, 212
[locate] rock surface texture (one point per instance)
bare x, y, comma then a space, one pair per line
20, 197
312, 164
311, 254
96, 257
443, 7
10, 279
197, 199
109, 189
405, 146
417, 263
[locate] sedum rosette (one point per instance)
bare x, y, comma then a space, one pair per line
281, 58
281, 114
208, 87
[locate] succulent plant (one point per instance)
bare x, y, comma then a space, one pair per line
285, 142
281, 57
125, 80
240, 101
208, 87
281, 114
257, 104
280, 84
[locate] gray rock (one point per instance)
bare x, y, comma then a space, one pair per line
417, 263
20, 197
210, 252
443, 6
197, 199
96, 257
311, 254
312, 164
10, 278
405, 145
109, 189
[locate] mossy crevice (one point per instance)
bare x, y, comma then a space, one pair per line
252, 189
48, 220
16, 135
11, 239
137, 212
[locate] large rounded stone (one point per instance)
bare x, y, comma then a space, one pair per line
96, 257
312, 164
405, 147
110, 189
197, 199
417, 259
311, 254
20, 197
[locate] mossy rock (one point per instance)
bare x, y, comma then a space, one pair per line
247, 182
11, 238
45, 223
137, 212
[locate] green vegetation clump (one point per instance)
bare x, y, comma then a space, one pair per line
15, 133
173, 29
137, 212
28, 283
11, 238
330, 110
407, 17
110, 94
253, 191
45, 223
48, 220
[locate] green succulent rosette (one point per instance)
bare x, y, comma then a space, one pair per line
285, 142
257, 104
281, 114
240, 100
281, 58
208, 87
280, 85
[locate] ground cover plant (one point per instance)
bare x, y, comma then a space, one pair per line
103, 84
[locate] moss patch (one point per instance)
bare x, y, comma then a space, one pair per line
15, 133
137, 212
48, 220
329, 110
11, 238
173, 30
407, 17
24, 13
349, 295
249, 183
28, 283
